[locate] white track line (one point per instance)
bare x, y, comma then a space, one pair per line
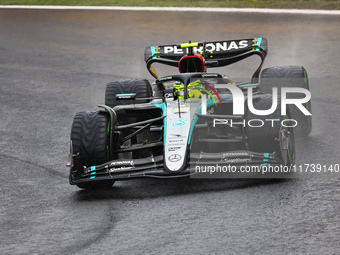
175, 9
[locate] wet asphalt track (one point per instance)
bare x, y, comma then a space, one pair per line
56, 63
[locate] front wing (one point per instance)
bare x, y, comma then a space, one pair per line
199, 163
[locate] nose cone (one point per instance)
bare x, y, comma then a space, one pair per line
177, 131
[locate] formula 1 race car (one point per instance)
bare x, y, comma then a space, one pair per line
193, 119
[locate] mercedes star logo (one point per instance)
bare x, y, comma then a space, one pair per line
174, 158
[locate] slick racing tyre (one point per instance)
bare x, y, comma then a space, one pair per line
142, 88
269, 136
290, 76
90, 144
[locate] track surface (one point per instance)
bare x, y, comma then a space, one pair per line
56, 63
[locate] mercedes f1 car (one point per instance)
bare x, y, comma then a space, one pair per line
191, 119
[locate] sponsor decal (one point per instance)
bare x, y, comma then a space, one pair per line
177, 135
210, 47
179, 123
111, 170
237, 160
183, 103
168, 95
209, 75
172, 103
176, 141
126, 96
230, 157
174, 148
122, 163
175, 158
165, 78
234, 154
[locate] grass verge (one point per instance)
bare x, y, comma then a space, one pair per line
287, 4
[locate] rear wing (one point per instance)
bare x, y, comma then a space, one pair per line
216, 54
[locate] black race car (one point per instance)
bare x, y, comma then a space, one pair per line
193, 120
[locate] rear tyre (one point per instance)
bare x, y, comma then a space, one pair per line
142, 88
90, 145
266, 136
290, 76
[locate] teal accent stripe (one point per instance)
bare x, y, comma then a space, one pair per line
192, 127
125, 95
259, 40
163, 108
92, 177
266, 155
93, 168
153, 51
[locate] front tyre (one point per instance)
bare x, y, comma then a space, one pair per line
89, 146
295, 77
270, 133
142, 88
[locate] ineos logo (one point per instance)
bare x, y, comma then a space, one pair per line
175, 158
